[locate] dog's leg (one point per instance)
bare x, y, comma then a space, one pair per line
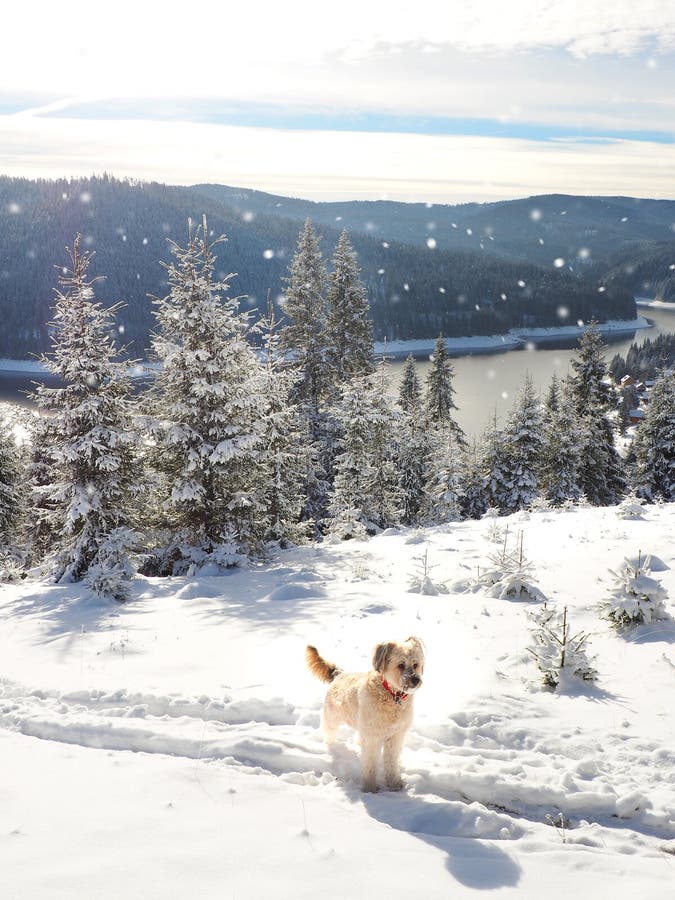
370, 752
392, 768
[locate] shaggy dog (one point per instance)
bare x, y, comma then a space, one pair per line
378, 704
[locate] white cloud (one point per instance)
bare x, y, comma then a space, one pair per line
329, 165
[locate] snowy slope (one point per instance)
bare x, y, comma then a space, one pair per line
170, 746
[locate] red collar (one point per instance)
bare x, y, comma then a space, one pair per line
399, 696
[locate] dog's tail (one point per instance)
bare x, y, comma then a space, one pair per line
318, 666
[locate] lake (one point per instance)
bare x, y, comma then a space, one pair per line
490, 382
483, 383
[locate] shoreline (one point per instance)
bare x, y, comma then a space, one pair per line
515, 339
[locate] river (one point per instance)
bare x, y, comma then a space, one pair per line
483, 383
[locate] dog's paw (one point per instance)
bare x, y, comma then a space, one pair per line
395, 784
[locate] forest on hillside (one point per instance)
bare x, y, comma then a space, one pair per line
414, 291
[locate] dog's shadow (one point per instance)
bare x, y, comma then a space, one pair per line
474, 860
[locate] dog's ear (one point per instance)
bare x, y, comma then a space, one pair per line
382, 655
419, 646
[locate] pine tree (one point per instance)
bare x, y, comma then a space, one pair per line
286, 457
11, 494
654, 445
490, 479
94, 474
601, 473
349, 334
444, 478
208, 401
410, 392
439, 393
414, 446
588, 383
366, 495
559, 462
304, 336
524, 440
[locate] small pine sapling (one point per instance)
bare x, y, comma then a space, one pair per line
422, 582
510, 577
636, 597
558, 654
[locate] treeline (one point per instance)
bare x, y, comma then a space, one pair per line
232, 452
647, 270
415, 292
645, 361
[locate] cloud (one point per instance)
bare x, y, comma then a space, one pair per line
335, 165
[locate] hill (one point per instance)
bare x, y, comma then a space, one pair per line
170, 746
415, 291
536, 229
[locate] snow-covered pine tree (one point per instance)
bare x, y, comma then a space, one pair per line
588, 385
287, 455
444, 478
304, 335
209, 406
349, 335
439, 391
601, 473
635, 597
487, 485
366, 494
303, 338
524, 439
95, 475
413, 446
654, 446
559, 458
410, 391
11, 494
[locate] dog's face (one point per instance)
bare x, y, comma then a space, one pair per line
400, 664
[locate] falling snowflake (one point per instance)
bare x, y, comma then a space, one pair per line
380, 271
431, 226
583, 253
248, 216
338, 218
145, 242
431, 243
535, 215
441, 290
385, 245
563, 312
14, 208
469, 231
530, 346
521, 283
602, 289
268, 254
580, 323
406, 287
559, 262
505, 395
503, 296
85, 197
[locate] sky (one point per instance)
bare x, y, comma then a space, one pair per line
436, 102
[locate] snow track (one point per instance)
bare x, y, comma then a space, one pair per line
482, 778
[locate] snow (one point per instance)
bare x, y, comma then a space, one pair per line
514, 339
170, 746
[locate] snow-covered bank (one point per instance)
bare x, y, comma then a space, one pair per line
515, 339
464, 346
654, 304
170, 745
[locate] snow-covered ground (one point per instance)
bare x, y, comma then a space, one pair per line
514, 339
169, 748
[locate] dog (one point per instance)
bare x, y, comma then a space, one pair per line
378, 704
